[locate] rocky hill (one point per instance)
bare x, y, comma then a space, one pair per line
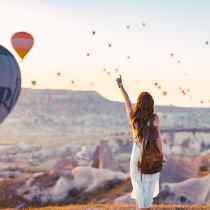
51, 117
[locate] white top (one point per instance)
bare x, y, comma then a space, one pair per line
143, 190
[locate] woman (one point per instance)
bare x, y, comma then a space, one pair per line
145, 186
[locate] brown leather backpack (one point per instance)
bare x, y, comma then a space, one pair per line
152, 158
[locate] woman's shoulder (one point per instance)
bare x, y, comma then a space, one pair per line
156, 117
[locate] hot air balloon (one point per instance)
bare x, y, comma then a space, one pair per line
93, 32
172, 55
116, 70
164, 93
156, 84
58, 74
183, 92
72, 82
33, 82
22, 42
87, 54
206, 42
128, 57
10, 82
128, 27
109, 45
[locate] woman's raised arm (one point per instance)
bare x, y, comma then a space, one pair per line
128, 105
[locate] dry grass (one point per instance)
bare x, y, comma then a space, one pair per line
120, 207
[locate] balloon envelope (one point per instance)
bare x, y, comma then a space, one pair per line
10, 82
33, 82
22, 42
164, 93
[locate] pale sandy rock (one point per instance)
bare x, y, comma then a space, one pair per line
195, 189
124, 199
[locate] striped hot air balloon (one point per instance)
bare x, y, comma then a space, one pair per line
22, 42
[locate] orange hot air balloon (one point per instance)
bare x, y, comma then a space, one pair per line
22, 42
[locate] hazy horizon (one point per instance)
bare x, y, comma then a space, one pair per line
114, 100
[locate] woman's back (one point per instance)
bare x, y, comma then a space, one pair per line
146, 188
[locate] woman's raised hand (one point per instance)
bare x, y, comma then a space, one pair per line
119, 81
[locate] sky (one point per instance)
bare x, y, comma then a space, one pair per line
62, 30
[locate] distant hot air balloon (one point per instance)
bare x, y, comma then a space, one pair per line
22, 42
128, 27
116, 70
72, 82
33, 82
109, 45
206, 42
10, 82
58, 74
87, 54
156, 84
164, 93
172, 55
183, 92
93, 32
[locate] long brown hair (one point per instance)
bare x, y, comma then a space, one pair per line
143, 115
